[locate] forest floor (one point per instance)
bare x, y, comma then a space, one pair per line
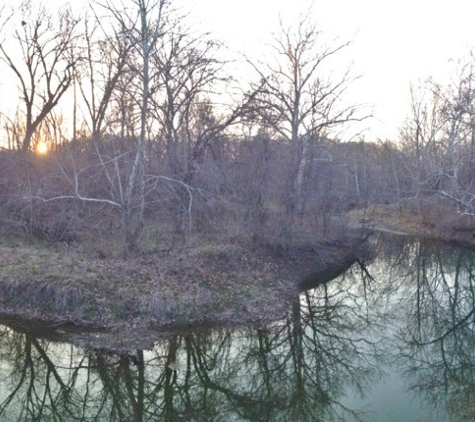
120, 304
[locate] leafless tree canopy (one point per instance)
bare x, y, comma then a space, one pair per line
44, 67
146, 147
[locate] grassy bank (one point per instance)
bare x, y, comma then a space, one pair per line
431, 218
233, 284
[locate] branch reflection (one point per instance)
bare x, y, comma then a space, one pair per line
298, 369
436, 341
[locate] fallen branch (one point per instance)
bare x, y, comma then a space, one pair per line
466, 205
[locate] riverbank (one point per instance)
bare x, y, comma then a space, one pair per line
415, 220
126, 301
104, 302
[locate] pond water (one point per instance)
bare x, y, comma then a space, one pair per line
394, 341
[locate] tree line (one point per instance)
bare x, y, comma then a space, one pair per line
150, 135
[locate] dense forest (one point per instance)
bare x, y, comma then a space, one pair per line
131, 133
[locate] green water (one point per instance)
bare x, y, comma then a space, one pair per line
391, 342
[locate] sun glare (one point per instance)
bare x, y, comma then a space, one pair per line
42, 148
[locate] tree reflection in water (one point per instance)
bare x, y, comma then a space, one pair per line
297, 370
437, 341
416, 309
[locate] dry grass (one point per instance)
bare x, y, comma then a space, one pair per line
431, 217
236, 282
213, 283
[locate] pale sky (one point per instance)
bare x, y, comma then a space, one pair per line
394, 42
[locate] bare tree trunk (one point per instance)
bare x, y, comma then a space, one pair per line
144, 38
133, 218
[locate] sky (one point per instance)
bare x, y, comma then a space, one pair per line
394, 43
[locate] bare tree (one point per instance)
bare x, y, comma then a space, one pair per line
142, 24
298, 98
107, 59
420, 136
458, 112
439, 138
45, 65
186, 73
13, 130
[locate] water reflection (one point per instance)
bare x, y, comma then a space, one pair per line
287, 373
410, 313
437, 339
295, 370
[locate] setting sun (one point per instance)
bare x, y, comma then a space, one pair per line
42, 148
